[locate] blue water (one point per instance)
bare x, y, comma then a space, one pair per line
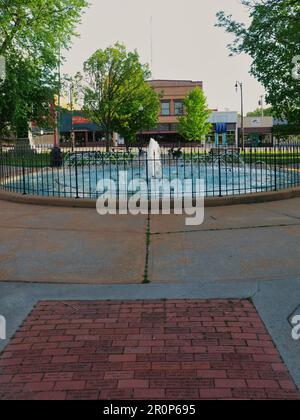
227, 180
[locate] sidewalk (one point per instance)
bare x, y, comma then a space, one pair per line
174, 349
65, 245
246, 253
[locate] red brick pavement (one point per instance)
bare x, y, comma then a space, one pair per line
175, 349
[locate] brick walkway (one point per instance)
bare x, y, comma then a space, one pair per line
142, 350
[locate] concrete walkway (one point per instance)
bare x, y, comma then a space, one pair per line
64, 245
237, 243
239, 252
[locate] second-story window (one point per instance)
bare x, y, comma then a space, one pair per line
165, 108
178, 108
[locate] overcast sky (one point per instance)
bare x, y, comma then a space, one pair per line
186, 45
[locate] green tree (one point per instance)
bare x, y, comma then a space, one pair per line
194, 124
32, 32
268, 112
140, 114
25, 96
116, 93
38, 27
272, 40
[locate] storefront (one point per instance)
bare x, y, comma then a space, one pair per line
258, 131
224, 131
80, 131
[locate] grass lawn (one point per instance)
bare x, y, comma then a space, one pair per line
269, 156
28, 160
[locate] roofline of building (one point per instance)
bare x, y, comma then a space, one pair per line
176, 80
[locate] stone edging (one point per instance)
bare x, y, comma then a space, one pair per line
209, 202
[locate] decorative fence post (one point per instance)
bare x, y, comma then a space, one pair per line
275, 168
23, 176
147, 174
220, 174
76, 176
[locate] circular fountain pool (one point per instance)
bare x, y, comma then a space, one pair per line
218, 179
153, 173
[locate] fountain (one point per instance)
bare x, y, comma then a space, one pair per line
154, 160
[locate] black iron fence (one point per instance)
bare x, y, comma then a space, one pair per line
75, 173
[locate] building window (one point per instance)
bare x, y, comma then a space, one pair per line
178, 108
165, 108
163, 127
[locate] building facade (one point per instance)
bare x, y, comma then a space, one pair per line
77, 130
172, 94
224, 128
258, 131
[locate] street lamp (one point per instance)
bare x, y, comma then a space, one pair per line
55, 107
59, 97
261, 104
72, 113
237, 86
141, 109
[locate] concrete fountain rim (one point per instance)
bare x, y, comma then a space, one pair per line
252, 198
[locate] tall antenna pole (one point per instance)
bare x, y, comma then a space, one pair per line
151, 43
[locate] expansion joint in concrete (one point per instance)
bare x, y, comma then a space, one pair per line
148, 243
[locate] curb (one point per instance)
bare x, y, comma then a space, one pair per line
209, 202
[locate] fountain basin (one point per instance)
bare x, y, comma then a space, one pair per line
82, 182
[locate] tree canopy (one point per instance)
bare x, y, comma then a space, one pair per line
32, 32
273, 41
25, 95
116, 93
38, 27
194, 124
268, 112
140, 114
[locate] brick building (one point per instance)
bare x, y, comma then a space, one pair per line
226, 126
173, 93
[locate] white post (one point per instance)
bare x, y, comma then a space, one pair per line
2, 328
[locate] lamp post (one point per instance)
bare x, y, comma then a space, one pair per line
72, 114
141, 109
261, 104
59, 97
53, 114
237, 86
57, 13
55, 107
